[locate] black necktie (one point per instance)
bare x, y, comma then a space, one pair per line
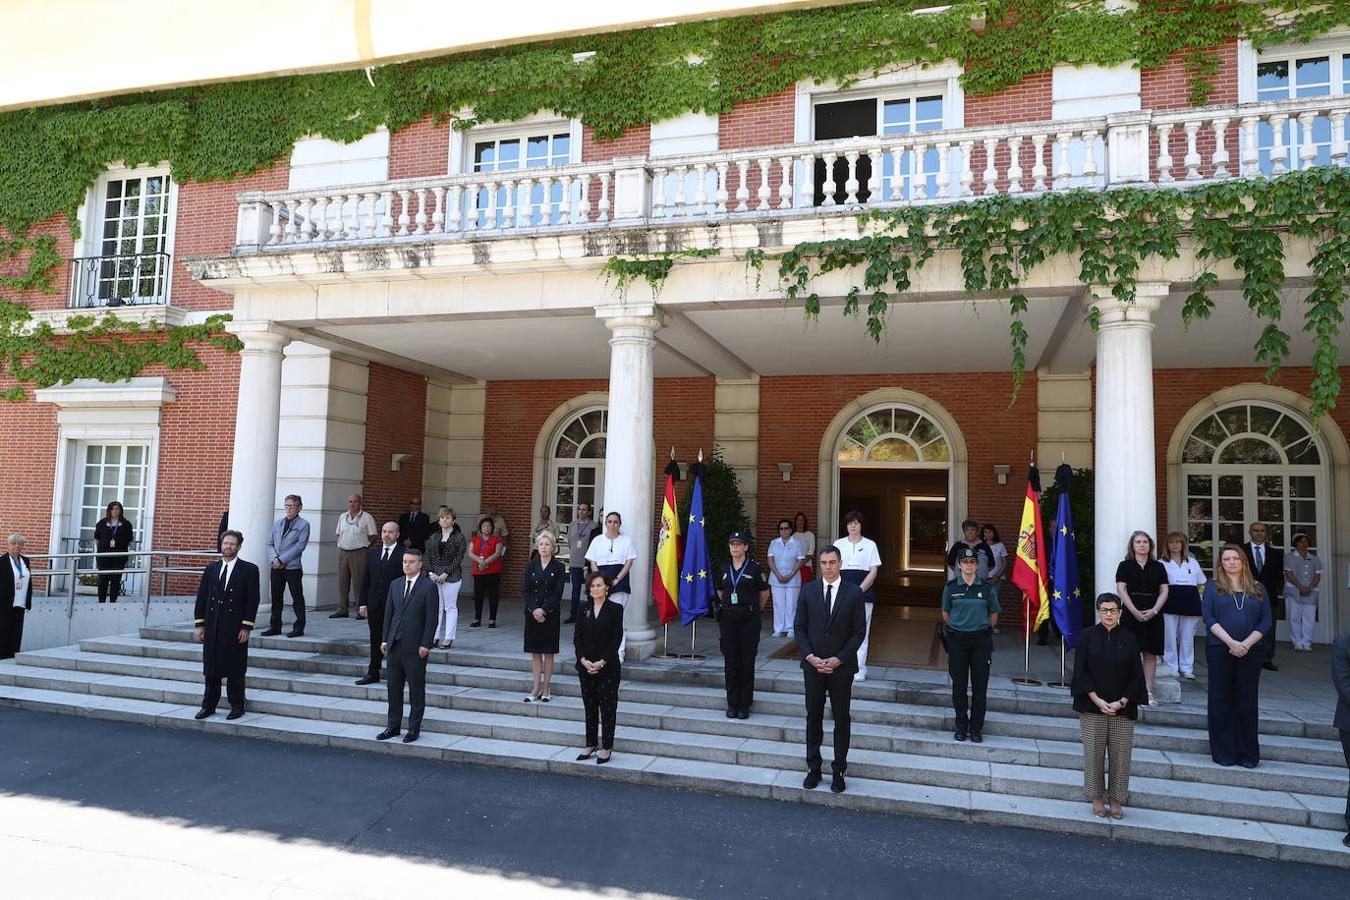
829, 598
286, 529
1260, 558
386, 555
407, 589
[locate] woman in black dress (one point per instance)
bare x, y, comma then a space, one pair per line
112, 534
596, 639
1141, 585
1108, 684
544, 579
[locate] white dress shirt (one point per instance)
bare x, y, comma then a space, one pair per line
21, 573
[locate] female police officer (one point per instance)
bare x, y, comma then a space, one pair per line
742, 590
970, 610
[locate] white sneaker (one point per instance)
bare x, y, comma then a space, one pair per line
860, 676
1189, 676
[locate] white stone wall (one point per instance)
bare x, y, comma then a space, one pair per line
736, 432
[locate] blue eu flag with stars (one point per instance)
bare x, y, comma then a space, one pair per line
1066, 599
696, 577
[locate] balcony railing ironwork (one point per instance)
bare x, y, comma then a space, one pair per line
1167, 149
141, 279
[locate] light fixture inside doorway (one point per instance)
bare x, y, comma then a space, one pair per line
1002, 473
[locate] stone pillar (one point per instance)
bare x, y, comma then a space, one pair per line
630, 456
1125, 476
253, 481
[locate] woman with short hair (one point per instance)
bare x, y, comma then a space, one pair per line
444, 560
801, 530
786, 558
1107, 688
596, 642
1237, 615
1141, 585
861, 563
1181, 612
1302, 575
545, 576
486, 551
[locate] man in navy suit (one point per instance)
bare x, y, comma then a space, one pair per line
830, 626
1267, 565
16, 595
285, 546
414, 526
410, 610
227, 606
1340, 677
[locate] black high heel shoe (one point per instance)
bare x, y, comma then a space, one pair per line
587, 755
601, 760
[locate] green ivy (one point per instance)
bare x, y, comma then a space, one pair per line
1001, 239
652, 268
107, 349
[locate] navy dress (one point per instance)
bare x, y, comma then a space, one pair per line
543, 590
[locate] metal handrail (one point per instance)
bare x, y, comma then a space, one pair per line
73, 572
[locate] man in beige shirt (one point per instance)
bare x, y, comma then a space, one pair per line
355, 530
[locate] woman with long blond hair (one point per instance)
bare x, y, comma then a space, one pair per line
1181, 612
1237, 614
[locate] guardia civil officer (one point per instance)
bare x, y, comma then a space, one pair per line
970, 611
742, 590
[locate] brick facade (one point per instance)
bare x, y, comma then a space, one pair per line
396, 408
420, 150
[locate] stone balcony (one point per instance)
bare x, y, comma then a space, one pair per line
778, 196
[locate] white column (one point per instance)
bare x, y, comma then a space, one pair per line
630, 457
253, 481
1124, 473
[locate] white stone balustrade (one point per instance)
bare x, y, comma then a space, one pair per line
1176, 148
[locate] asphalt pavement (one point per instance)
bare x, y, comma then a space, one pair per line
85, 801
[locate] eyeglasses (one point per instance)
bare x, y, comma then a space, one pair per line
1109, 611
784, 528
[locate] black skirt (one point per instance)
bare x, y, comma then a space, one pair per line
542, 637
1149, 635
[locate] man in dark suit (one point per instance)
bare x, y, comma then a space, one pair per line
1267, 565
1340, 677
830, 626
384, 567
227, 607
410, 610
16, 595
414, 526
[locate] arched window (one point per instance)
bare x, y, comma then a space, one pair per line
894, 434
577, 465
1251, 462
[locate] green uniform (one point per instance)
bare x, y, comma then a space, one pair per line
969, 605
970, 648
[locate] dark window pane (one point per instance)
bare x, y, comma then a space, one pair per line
1235, 419
1270, 485
1264, 419
1199, 484
1196, 452
1250, 451
1210, 431
1231, 533
593, 449
1288, 432
1304, 453
1230, 485
1200, 508
1231, 511
1270, 510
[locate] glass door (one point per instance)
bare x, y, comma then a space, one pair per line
111, 472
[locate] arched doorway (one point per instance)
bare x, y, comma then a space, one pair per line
577, 464
894, 462
1254, 460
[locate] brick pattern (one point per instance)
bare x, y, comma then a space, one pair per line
420, 150
1168, 87
396, 408
636, 141
515, 412
765, 122
59, 297
1030, 100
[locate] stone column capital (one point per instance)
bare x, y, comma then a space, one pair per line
638, 322
1113, 313
260, 336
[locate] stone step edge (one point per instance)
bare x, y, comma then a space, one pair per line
1265, 840
462, 720
902, 691
1027, 720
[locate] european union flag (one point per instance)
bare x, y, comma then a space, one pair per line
1066, 601
696, 577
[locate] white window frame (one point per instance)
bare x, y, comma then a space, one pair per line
1333, 43
902, 83
592, 462
90, 215
461, 142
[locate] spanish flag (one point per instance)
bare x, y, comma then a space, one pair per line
666, 577
1029, 570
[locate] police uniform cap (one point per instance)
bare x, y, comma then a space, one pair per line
967, 553
739, 536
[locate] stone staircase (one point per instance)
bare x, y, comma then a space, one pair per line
673, 732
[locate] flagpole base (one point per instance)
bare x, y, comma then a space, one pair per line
1057, 684
1026, 682
665, 645
693, 643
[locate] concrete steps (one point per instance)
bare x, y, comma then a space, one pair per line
675, 733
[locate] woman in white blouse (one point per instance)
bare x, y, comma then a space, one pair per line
861, 562
1181, 612
612, 554
806, 538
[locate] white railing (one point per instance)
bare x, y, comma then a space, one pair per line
1176, 147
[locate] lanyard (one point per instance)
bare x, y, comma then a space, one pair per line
736, 576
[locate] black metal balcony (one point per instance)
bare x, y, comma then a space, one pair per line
111, 281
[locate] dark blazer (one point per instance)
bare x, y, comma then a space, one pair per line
224, 613
1340, 677
820, 634
7, 584
415, 528
1271, 574
415, 618
106, 540
598, 637
379, 575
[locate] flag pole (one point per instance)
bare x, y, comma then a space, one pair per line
693, 640
1026, 678
1061, 683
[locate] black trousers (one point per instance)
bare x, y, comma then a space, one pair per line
282, 579
1268, 640
234, 692
600, 697
968, 659
1345, 748
411, 669
110, 580
839, 685
486, 586
578, 574
739, 627
11, 631
375, 619
1234, 685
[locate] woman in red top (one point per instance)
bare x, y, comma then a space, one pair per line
486, 551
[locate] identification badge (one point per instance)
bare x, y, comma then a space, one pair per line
20, 589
